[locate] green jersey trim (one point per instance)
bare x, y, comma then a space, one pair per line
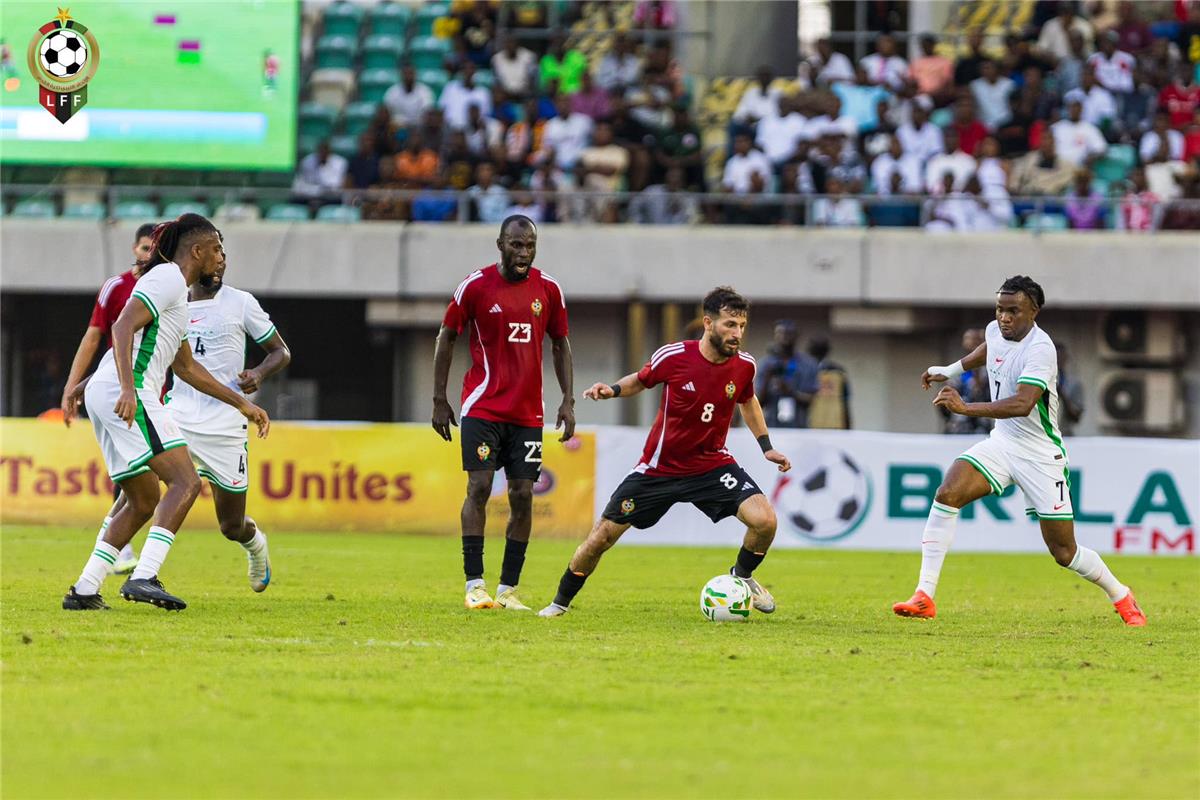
148, 303
995, 484
265, 336
203, 473
144, 354
1043, 407
1034, 382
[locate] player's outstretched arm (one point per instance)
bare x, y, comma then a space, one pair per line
84, 354
187, 370
1018, 405
278, 357
443, 354
626, 387
564, 369
752, 415
973, 360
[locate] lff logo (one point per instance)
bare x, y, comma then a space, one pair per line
63, 58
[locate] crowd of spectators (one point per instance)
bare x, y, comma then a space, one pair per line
978, 142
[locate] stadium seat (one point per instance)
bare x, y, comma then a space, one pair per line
428, 52
331, 87
373, 83
1047, 222
435, 79
273, 180
1122, 153
391, 19
34, 208
237, 212
485, 78
357, 117
343, 19
381, 51
339, 214
345, 145
316, 120
181, 207
336, 52
288, 212
428, 14
306, 144
85, 211
139, 210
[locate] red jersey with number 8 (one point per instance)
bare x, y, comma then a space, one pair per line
507, 321
698, 398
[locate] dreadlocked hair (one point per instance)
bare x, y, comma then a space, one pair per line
1026, 284
168, 237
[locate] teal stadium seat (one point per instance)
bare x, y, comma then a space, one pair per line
428, 14
428, 52
374, 83
336, 52
34, 208
288, 212
339, 214
181, 207
381, 51
1047, 222
435, 79
316, 120
357, 117
92, 211
344, 145
390, 18
343, 19
485, 78
140, 210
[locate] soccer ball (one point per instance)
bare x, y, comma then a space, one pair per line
826, 496
726, 598
63, 53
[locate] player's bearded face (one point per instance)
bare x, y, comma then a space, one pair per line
1015, 314
725, 334
517, 251
212, 259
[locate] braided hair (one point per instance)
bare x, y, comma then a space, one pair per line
169, 237
1026, 284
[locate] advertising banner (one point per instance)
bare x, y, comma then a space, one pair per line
304, 476
851, 489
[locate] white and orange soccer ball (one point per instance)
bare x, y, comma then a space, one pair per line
726, 598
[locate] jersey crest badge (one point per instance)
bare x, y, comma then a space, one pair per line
536, 305
627, 506
730, 389
483, 451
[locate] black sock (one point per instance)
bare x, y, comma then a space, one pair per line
514, 559
473, 557
747, 562
568, 586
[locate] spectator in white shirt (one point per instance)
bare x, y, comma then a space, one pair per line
1054, 39
485, 135
837, 210
920, 138
1077, 141
489, 200
991, 91
970, 210
885, 68
1099, 105
747, 170
565, 135
829, 66
407, 101
958, 164
759, 101
1113, 67
620, 68
991, 172
778, 133
896, 161
515, 68
460, 94
322, 173
1152, 140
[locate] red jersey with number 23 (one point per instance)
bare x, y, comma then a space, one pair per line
507, 322
698, 398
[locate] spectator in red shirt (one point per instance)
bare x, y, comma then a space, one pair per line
970, 130
1134, 34
1181, 99
1191, 137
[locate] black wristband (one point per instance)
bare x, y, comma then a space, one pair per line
616, 389
764, 442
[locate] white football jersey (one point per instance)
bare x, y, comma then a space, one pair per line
217, 330
1032, 361
163, 291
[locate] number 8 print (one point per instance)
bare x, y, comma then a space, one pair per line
708, 413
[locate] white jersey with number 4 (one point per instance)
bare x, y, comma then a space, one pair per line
217, 329
1031, 361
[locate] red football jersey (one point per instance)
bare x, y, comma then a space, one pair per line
507, 322
112, 298
688, 435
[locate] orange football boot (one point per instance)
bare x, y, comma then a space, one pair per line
1131, 613
921, 605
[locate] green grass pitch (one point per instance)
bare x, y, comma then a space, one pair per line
359, 674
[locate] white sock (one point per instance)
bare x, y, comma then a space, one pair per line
502, 588
127, 552
1088, 565
103, 557
256, 544
935, 543
154, 553
103, 530
471, 584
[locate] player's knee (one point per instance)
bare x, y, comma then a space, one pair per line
478, 491
142, 505
233, 529
1063, 554
189, 484
520, 496
949, 496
